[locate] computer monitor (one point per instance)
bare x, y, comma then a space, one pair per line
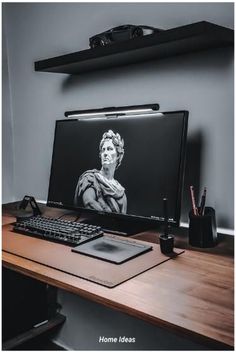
120, 166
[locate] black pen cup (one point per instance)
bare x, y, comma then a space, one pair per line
202, 229
166, 243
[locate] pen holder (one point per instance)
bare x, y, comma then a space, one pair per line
202, 229
166, 243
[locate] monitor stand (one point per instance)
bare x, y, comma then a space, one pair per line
118, 226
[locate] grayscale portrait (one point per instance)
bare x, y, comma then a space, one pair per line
98, 189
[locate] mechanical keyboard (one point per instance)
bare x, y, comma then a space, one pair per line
58, 230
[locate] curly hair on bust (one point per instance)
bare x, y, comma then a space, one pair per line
117, 141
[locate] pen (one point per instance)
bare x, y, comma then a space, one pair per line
194, 207
203, 202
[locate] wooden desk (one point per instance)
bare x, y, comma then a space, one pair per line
191, 295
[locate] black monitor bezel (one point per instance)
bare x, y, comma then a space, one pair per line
174, 222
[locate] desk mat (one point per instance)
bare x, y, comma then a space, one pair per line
61, 257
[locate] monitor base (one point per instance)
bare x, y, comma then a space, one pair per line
117, 226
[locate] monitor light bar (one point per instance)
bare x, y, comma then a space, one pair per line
117, 111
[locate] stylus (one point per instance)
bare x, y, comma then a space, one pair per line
165, 207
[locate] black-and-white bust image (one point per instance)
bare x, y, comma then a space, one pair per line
98, 189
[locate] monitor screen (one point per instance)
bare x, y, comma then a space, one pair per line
122, 166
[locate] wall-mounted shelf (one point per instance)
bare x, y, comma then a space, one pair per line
190, 38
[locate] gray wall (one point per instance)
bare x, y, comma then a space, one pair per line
201, 83
8, 186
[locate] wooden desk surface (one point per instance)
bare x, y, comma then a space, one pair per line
191, 295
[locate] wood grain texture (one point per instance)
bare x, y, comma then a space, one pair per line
191, 296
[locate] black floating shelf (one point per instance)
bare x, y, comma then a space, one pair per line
190, 38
